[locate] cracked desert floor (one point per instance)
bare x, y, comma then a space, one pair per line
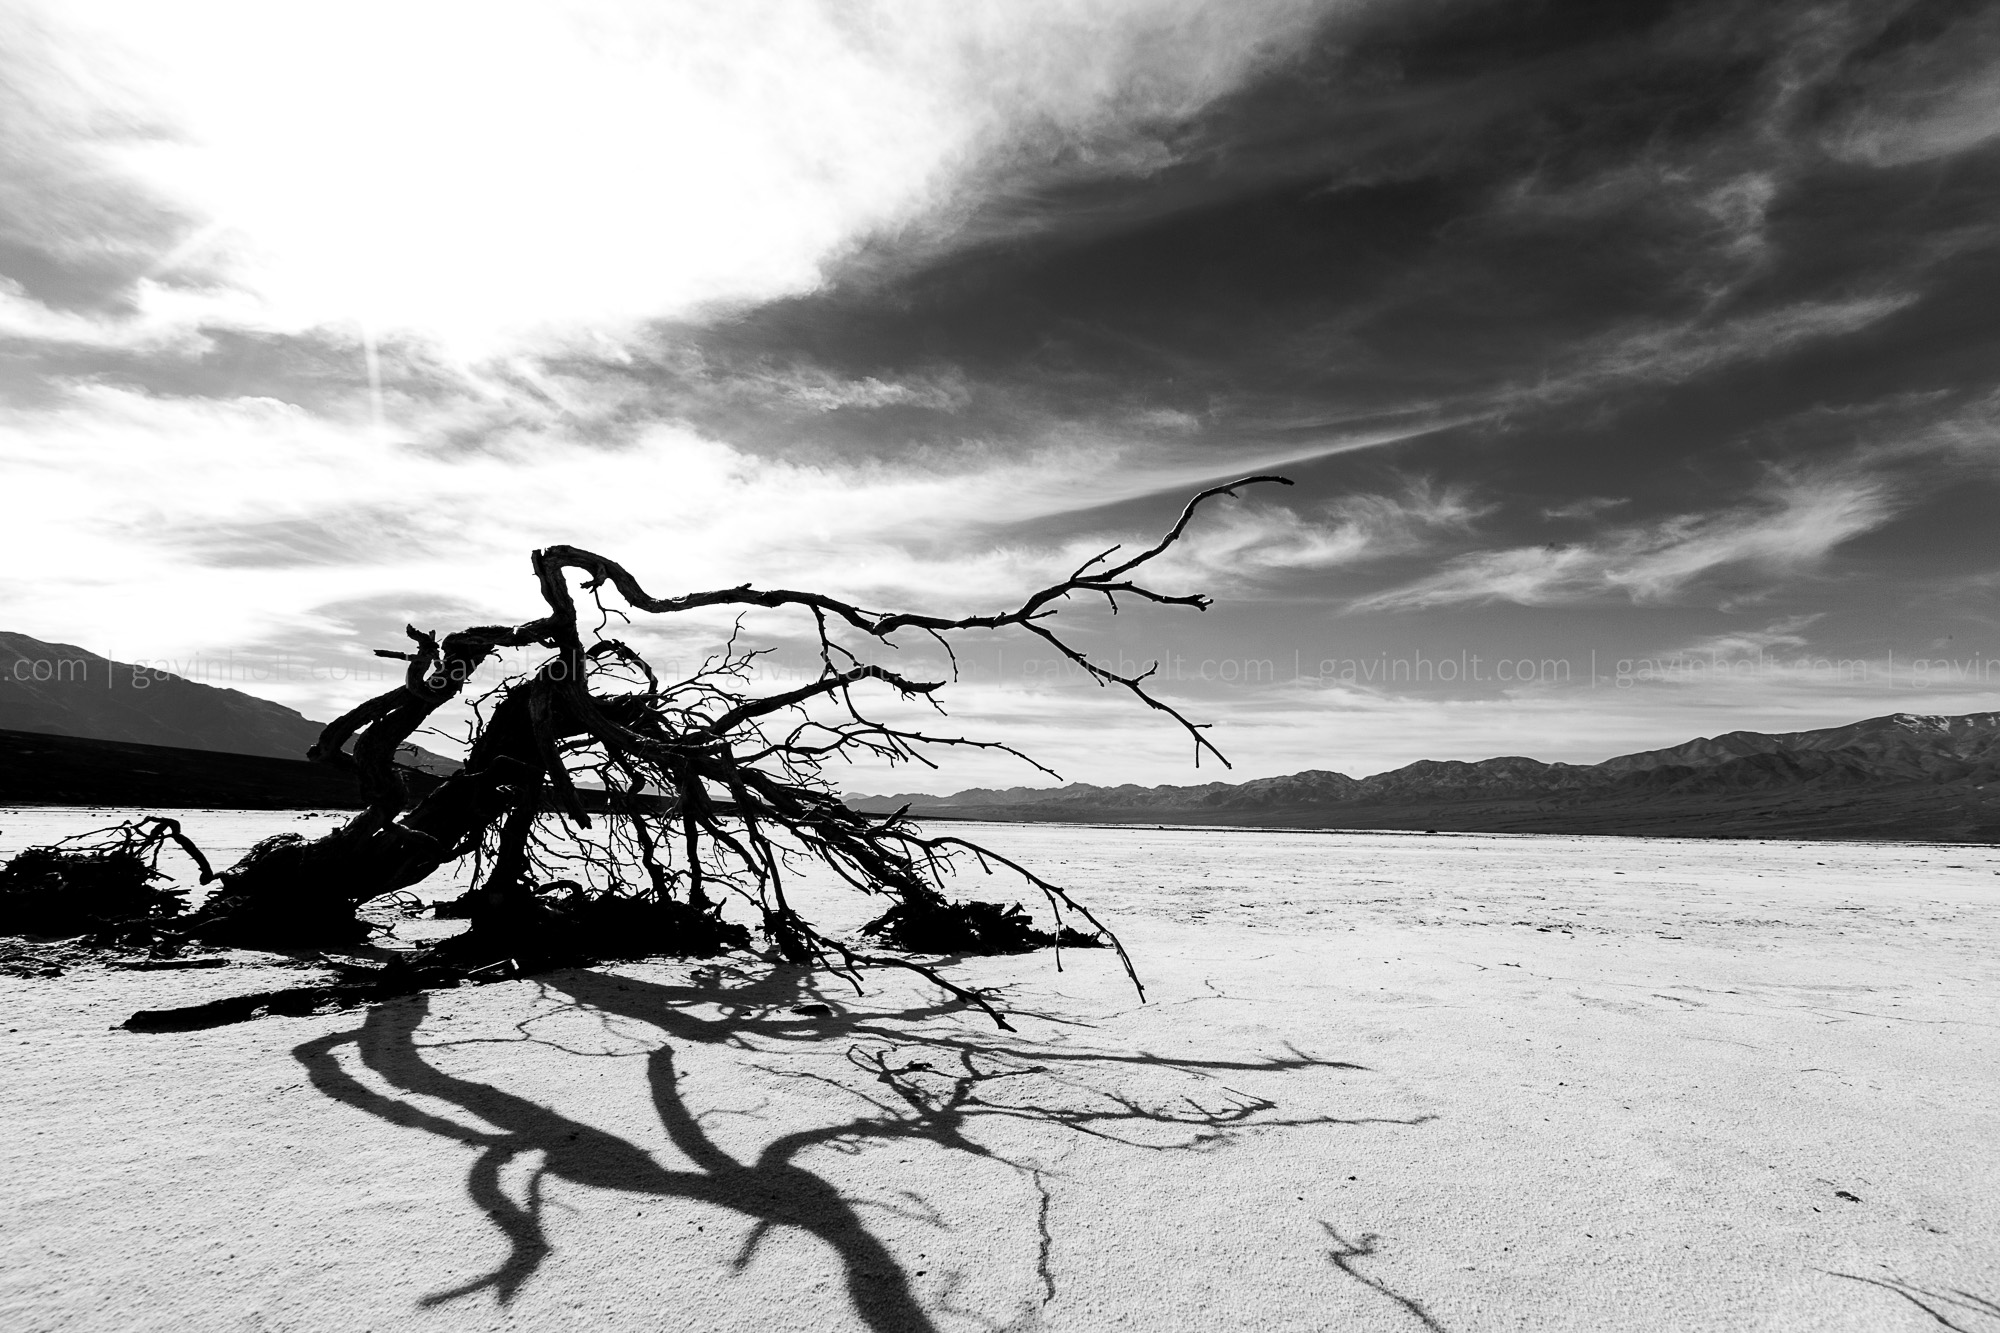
1378, 1081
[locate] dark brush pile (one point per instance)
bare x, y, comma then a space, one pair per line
104, 884
573, 924
935, 926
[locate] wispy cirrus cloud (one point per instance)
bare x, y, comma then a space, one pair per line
1934, 94
1242, 544
1673, 352
1780, 635
1796, 523
1585, 507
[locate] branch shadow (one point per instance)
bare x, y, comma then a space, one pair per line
907, 1083
1343, 1255
1946, 1307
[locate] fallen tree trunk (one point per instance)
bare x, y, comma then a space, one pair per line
709, 790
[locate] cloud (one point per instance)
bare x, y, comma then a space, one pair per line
924, 303
1960, 119
1242, 543
819, 391
1923, 99
344, 535
143, 509
1798, 521
1699, 214
602, 162
77, 233
26, 321
1675, 352
1735, 645
1590, 506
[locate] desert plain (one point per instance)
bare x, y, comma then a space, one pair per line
1377, 1081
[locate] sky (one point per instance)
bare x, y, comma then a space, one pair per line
1637, 364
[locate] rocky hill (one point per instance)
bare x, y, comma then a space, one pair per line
1903, 775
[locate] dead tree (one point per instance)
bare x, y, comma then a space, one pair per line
703, 788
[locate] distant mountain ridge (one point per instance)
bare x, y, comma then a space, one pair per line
1924, 775
1902, 775
60, 689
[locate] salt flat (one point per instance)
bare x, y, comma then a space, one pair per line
1380, 1081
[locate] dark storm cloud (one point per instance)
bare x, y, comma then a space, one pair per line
1643, 253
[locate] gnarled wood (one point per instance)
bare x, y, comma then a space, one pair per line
713, 789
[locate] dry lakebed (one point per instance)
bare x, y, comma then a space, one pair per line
1378, 1081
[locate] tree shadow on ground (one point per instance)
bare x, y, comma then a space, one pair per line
914, 1079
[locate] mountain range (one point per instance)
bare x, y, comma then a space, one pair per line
59, 689
1902, 775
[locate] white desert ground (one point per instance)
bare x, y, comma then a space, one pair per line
1379, 1081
